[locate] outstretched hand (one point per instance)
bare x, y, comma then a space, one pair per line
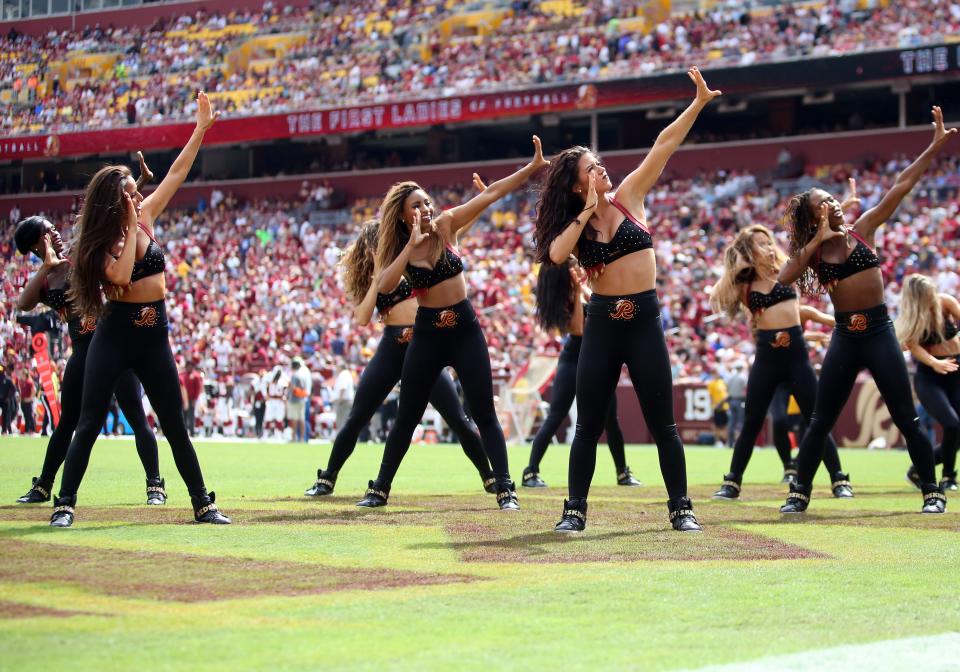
704, 93
538, 161
940, 134
417, 235
590, 202
944, 366
824, 231
131, 210
206, 117
146, 175
478, 183
50, 258
851, 199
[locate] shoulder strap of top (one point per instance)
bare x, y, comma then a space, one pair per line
860, 238
626, 213
147, 231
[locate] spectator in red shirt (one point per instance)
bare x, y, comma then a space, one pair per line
191, 385
27, 391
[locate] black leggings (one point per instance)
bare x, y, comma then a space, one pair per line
71, 396
864, 340
380, 375
561, 398
131, 336
781, 423
446, 337
940, 395
781, 359
625, 330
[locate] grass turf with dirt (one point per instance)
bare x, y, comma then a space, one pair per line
440, 579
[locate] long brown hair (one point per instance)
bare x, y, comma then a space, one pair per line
921, 315
740, 268
801, 222
357, 261
393, 233
100, 227
558, 204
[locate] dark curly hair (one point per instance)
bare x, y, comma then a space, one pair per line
554, 301
799, 220
558, 204
28, 232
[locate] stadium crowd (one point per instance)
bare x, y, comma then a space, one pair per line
254, 285
375, 50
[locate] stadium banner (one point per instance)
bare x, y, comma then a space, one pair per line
864, 418
819, 73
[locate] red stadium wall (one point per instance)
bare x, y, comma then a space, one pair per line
756, 156
864, 418
142, 15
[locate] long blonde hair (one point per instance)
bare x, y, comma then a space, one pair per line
393, 232
357, 262
921, 316
741, 266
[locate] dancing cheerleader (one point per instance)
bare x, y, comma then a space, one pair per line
417, 243
397, 310
117, 253
826, 255
751, 265
927, 327
609, 234
560, 295
49, 285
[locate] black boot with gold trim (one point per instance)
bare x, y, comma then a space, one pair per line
730, 489
840, 484
38, 493
489, 482
531, 479
63, 511
376, 495
790, 472
156, 494
681, 515
949, 481
934, 501
507, 496
206, 511
574, 517
626, 478
326, 481
798, 500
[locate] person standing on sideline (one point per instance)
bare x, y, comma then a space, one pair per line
298, 396
343, 393
27, 392
736, 399
191, 384
8, 396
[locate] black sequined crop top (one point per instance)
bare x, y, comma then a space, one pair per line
949, 331
57, 299
387, 301
153, 261
758, 302
449, 266
631, 236
861, 259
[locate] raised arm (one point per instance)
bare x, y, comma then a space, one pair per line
363, 313
850, 199
463, 215
146, 175
388, 279
872, 219
635, 186
563, 245
156, 202
811, 313
119, 271
798, 263
33, 290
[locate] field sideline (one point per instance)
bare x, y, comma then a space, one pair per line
441, 579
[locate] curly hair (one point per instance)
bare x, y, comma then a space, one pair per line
553, 292
802, 224
357, 261
558, 204
740, 267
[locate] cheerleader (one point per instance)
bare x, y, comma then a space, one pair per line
418, 244
397, 311
751, 264
560, 294
826, 255
927, 327
609, 234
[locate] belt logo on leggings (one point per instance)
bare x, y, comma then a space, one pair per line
446, 320
781, 340
624, 309
406, 335
858, 322
148, 317
87, 325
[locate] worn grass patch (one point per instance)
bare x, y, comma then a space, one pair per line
11, 610
181, 577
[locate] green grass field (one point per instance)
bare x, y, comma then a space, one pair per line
441, 580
